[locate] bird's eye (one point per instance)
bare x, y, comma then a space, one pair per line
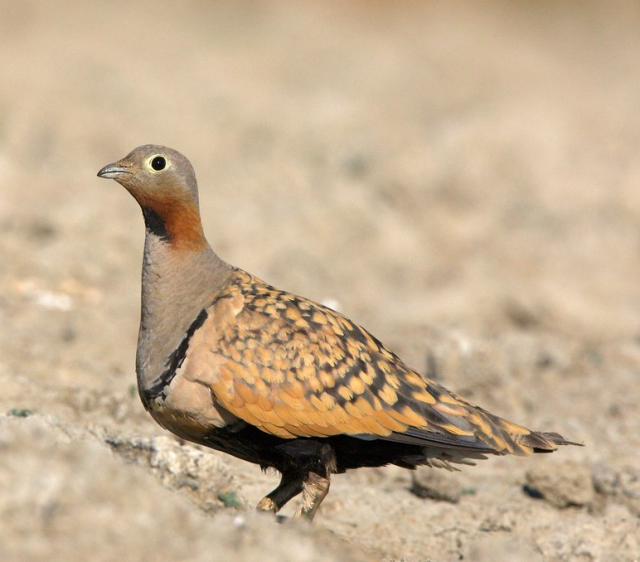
158, 163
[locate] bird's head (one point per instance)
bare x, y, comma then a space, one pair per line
164, 183
151, 172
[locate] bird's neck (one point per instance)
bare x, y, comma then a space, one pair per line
175, 221
177, 283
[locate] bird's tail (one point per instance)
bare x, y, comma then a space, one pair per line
526, 441
543, 442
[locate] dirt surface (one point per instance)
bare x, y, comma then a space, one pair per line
462, 179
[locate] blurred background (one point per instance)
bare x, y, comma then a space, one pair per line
429, 168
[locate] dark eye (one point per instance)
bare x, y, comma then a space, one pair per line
158, 163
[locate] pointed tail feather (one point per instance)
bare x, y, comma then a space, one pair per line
542, 442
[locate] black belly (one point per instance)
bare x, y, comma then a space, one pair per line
285, 455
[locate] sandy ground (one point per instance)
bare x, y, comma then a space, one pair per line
462, 179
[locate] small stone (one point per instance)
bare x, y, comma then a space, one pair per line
430, 484
605, 479
502, 521
562, 485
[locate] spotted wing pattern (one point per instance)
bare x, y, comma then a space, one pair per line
294, 368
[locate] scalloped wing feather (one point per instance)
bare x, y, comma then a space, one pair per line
294, 368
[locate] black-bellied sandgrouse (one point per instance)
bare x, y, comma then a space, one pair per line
232, 363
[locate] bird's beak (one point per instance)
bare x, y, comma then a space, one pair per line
112, 171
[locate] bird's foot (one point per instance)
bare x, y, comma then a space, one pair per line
267, 505
314, 490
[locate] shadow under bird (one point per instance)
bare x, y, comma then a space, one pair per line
230, 362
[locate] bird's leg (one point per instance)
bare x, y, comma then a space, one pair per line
290, 485
314, 490
313, 462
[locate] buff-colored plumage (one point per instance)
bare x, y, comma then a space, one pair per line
230, 362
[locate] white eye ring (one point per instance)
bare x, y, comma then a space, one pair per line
157, 162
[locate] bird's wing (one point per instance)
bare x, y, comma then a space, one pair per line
294, 368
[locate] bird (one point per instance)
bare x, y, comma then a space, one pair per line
229, 362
